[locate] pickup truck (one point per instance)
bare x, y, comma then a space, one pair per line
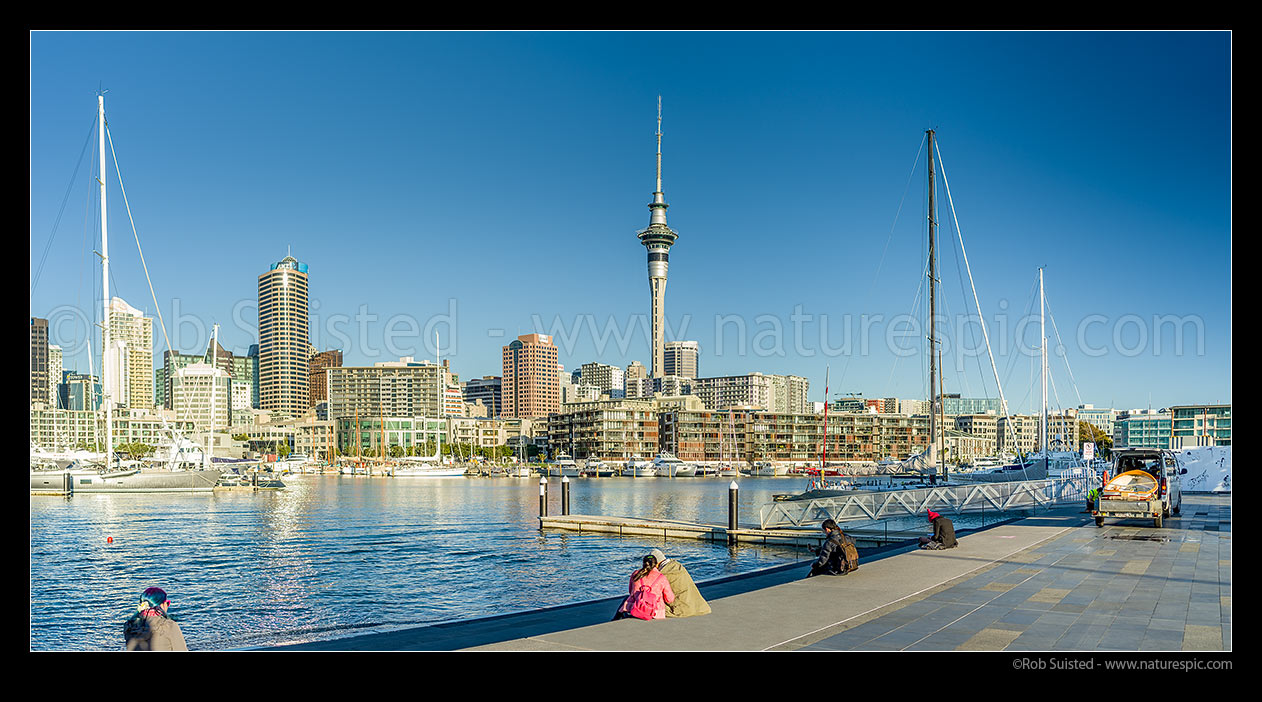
1148, 485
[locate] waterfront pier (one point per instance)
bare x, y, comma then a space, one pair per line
1053, 581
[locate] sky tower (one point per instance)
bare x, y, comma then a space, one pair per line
658, 238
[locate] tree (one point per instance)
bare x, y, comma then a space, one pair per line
1090, 432
396, 451
283, 449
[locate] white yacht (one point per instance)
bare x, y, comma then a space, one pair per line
666, 464
639, 469
563, 466
768, 469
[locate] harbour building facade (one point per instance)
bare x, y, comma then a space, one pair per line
1200, 425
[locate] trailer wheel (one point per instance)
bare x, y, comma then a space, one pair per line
1099, 521
1165, 512
1156, 522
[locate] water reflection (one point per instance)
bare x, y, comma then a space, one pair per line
333, 556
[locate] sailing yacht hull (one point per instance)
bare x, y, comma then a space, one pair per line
138, 481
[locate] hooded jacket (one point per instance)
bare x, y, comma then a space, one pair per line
688, 600
156, 633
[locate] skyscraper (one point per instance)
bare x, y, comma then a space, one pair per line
531, 379
658, 238
681, 358
39, 359
284, 338
131, 336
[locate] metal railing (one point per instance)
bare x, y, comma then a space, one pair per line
948, 499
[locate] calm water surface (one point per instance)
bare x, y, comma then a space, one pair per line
335, 556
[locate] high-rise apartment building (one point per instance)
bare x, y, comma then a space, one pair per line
531, 383
39, 359
202, 394
403, 388
319, 381
284, 338
635, 371
606, 378
131, 335
681, 358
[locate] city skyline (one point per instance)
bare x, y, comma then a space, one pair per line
546, 201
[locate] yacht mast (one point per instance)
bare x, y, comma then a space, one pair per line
934, 429
106, 398
1043, 369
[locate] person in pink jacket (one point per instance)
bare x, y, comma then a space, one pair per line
649, 593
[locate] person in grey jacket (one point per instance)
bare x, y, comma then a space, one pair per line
151, 628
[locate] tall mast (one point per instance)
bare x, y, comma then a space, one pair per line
214, 344
934, 429
106, 398
1043, 368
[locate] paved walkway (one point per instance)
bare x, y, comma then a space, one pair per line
1050, 582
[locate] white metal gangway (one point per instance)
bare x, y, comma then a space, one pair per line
947, 499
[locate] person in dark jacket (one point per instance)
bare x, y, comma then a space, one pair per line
943, 533
151, 628
832, 557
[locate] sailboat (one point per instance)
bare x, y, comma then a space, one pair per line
114, 475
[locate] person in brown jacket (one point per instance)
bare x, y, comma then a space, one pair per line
688, 600
150, 628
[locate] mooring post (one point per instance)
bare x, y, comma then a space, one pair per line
565, 495
733, 509
543, 497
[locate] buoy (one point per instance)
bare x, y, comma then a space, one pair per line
109, 539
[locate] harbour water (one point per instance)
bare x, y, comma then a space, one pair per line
335, 556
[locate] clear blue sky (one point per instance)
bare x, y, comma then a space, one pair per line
509, 172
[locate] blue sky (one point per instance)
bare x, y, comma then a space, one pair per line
503, 175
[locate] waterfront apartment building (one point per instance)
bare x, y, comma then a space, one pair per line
1142, 428
202, 394
1019, 433
962, 447
65, 429
1200, 425
706, 435
681, 358
530, 379
982, 426
284, 338
915, 407
403, 388
244, 371
131, 333
318, 381
39, 359
375, 435
609, 430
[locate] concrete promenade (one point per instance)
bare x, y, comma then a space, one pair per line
1053, 581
